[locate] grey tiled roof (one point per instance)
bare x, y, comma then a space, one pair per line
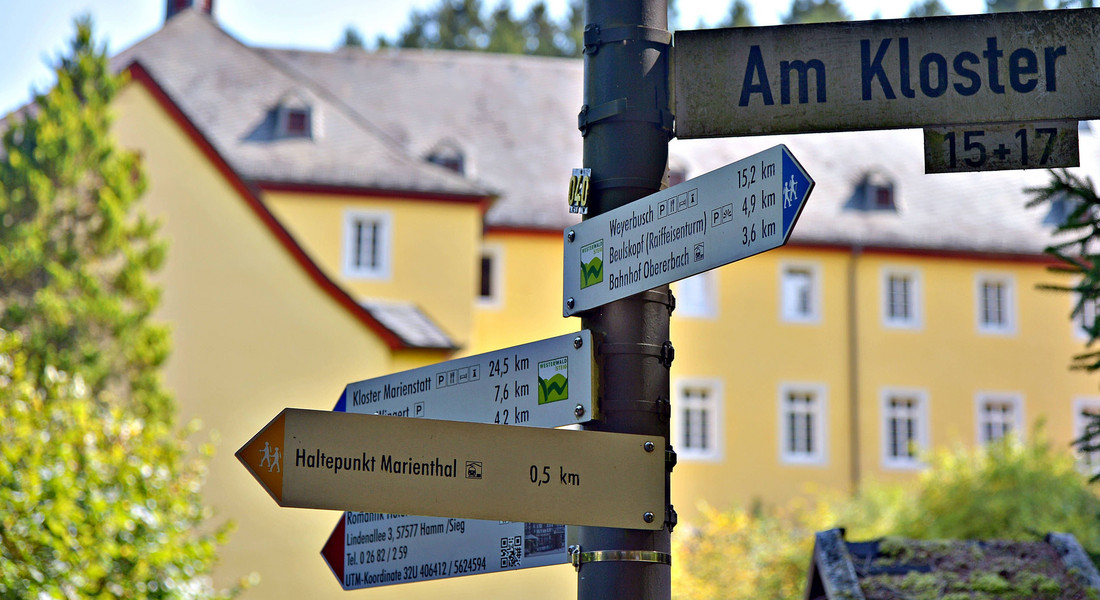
414, 327
230, 92
515, 116
514, 120
971, 212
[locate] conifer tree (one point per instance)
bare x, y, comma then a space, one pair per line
75, 250
99, 491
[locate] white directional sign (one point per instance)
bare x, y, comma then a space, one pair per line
887, 74
731, 213
375, 549
340, 461
548, 383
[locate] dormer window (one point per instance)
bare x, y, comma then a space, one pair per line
294, 122
297, 122
295, 117
875, 192
449, 155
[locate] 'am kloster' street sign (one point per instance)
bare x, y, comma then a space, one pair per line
888, 74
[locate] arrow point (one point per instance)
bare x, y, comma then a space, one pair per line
333, 552
796, 188
342, 403
264, 455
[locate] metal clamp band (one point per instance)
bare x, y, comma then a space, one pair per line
646, 556
595, 36
665, 352
619, 108
643, 349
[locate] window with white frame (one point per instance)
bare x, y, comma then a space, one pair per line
490, 285
800, 294
697, 419
366, 244
1086, 422
904, 427
901, 298
697, 296
998, 415
996, 307
802, 427
1085, 316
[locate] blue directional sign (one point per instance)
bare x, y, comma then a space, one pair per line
734, 212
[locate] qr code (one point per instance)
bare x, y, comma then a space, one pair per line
511, 552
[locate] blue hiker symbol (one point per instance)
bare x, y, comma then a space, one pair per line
789, 194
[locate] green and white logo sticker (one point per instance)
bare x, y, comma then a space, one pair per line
592, 264
554, 380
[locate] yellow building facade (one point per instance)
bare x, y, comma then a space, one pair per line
307, 254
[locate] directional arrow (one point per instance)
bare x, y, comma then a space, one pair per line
373, 549
734, 212
342, 461
548, 383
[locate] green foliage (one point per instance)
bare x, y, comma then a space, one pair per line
740, 15
743, 554
352, 38
928, 8
1077, 253
75, 252
816, 11
99, 495
97, 502
1005, 490
463, 25
1013, 5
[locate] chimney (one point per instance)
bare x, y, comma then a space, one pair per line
175, 7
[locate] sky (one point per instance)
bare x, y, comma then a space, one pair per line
33, 33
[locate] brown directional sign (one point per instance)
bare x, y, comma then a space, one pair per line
888, 74
342, 461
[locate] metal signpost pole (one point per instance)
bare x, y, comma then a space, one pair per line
626, 123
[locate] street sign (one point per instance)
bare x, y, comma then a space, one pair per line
560, 368
375, 549
734, 212
1001, 146
341, 461
888, 74
548, 383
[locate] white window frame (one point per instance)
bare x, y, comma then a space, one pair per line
818, 412
1008, 282
1088, 313
1088, 464
495, 253
385, 231
787, 312
712, 404
920, 414
1016, 422
697, 296
915, 299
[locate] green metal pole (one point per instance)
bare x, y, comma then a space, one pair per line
626, 123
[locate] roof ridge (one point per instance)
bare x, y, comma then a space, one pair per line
434, 54
331, 97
